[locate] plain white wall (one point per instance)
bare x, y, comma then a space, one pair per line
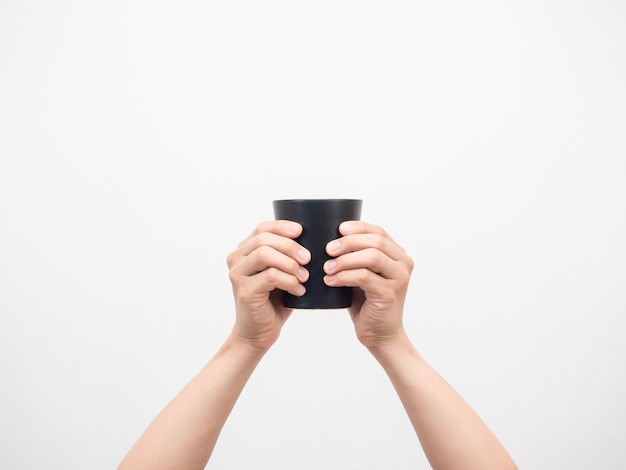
140, 141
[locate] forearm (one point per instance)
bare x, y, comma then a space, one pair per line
452, 435
184, 433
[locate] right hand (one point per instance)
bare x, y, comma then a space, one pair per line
267, 260
369, 259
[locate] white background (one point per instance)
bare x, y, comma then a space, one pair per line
140, 141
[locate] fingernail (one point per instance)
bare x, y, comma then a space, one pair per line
292, 228
303, 255
347, 226
330, 266
333, 246
303, 274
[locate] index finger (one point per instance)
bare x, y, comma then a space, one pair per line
284, 228
358, 235
277, 234
358, 226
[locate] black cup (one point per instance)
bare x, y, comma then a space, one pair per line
320, 220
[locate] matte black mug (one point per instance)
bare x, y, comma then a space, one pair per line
320, 220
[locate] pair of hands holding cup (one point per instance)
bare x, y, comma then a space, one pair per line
364, 257
268, 272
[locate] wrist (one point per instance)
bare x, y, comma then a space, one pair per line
393, 346
253, 346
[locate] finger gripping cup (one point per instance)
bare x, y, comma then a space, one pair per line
320, 220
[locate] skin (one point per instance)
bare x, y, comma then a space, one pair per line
184, 433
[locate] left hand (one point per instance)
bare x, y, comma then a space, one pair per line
268, 260
367, 258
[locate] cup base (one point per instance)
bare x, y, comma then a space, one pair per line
333, 300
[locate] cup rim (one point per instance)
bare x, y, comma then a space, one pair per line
319, 200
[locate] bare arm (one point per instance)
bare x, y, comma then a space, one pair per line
452, 435
184, 433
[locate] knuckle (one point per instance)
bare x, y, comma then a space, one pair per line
232, 258
374, 258
272, 275
379, 241
264, 253
362, 275
258, 240
233, 277
258, 230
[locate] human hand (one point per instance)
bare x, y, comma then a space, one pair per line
367, 258
268, 259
